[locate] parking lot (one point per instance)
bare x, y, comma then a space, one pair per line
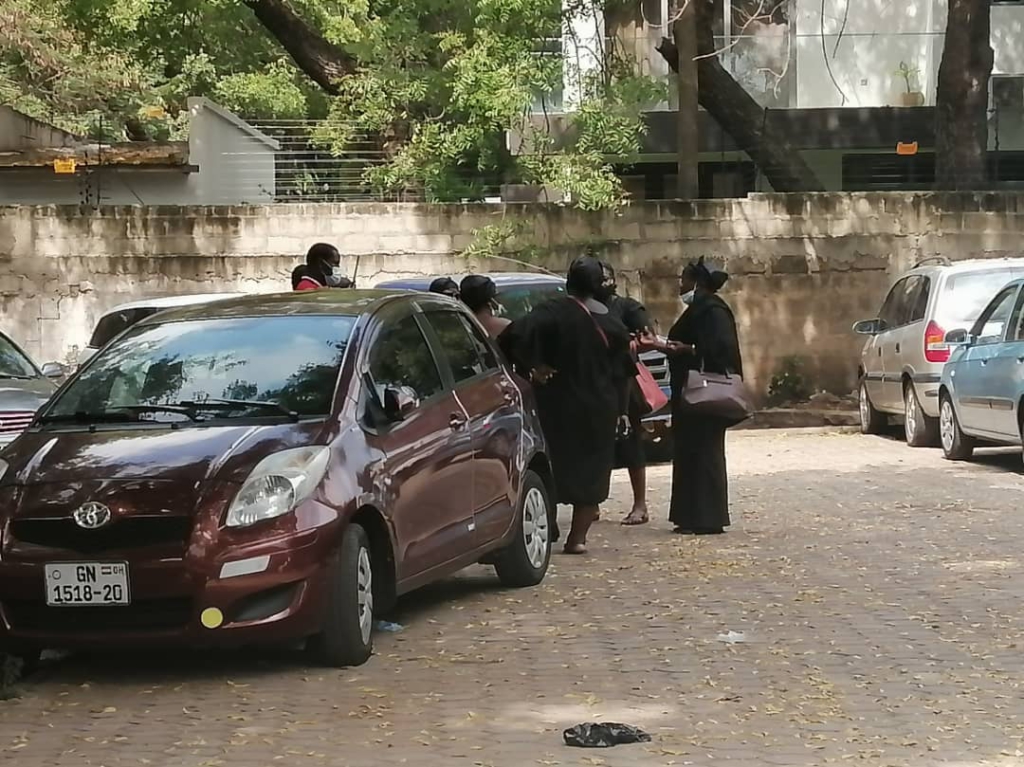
877, 590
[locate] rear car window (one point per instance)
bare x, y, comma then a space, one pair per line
112, 325
292, 361
966, 295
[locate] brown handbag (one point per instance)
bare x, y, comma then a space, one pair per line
717, 395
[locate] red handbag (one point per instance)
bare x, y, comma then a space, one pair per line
653, 395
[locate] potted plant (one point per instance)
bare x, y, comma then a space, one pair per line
912, 96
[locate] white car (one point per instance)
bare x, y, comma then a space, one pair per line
122, 317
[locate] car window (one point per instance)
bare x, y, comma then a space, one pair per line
964, 296
289, 361
1017, 320
518, 301
991, 324
112, 325
401, 357
13, 362
466, 355
918, 306
891, 312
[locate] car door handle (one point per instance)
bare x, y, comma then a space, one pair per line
984, 362
1020, 360
897, 348
457, 421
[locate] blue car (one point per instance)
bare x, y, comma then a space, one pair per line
981, 390
519, 292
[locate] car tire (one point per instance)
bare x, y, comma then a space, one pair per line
956, 446
919, 429
871, 420
524, 562
346, 637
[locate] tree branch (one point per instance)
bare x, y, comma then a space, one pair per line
322, 61
739, 115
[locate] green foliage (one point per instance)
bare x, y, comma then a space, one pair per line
438, 83
789, 385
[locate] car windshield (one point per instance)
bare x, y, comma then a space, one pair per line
967, 295
218, 368
518, 301
13, 362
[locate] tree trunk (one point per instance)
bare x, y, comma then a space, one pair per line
322, 61
738, 114
684, 30
961, 97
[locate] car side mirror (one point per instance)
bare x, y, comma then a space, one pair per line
399, 403
53, 370
868, 327
958, 337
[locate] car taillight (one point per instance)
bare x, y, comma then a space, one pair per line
935, 348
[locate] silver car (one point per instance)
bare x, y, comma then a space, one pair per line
982, 385
24, 388
906, 349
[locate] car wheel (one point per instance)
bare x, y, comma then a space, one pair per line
871, 421
346, 638
920, 430
524, 561
956, 446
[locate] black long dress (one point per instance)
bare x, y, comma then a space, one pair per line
629, 449
700, 485
580, 404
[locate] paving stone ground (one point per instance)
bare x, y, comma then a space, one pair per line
878, 588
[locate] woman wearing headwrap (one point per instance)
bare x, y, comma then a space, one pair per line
569, 357
704, 337
480, 294
446, 286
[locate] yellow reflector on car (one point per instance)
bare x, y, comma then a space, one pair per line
211, 618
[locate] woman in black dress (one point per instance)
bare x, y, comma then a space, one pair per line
704, 337
629, 447
569, 356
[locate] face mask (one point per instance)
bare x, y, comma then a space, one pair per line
332, 278
688, 298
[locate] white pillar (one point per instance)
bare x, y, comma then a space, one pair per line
583, 47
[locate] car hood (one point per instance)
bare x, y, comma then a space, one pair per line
24, 395
193, 453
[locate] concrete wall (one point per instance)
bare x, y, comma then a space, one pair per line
805, 267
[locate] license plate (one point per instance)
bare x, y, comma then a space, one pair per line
78, 584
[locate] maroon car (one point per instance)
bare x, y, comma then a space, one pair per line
270, 468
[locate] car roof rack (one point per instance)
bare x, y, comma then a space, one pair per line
941, 260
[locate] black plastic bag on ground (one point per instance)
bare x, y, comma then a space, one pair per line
604, 735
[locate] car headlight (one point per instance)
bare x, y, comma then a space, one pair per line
278, 484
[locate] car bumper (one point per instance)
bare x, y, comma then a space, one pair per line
268, 591
927, 387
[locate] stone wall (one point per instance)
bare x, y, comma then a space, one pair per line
805, 267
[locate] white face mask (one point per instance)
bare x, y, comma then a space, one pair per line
688, 298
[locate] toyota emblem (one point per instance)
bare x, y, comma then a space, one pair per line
91, 515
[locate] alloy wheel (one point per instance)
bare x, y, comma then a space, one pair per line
364, 597
910, 413
535, 527
947, 425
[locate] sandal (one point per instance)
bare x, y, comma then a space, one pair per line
575, 548
636, 517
